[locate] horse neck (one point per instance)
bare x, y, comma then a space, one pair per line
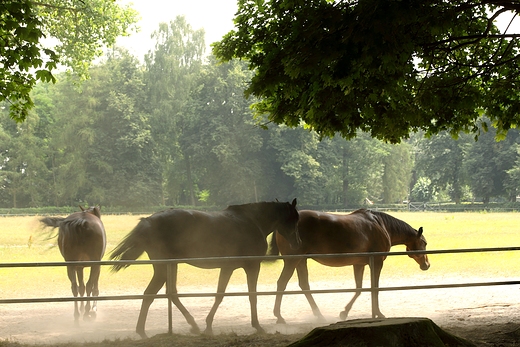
401, 235
400, 232
261, 213
268, 215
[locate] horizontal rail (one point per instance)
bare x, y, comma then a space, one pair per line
263, 258
261, 293
373, 289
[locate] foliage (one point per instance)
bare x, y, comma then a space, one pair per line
177, 131
388, 68
77, 29
488, 163
422, 190
442, 159
171, 71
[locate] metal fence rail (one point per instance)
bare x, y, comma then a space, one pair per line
373, 289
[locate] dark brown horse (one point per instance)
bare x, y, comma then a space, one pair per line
358, 232
239, 230
81, 237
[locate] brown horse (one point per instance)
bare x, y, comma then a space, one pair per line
81, 237
358, 232
239, 230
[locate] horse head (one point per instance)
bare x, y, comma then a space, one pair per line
419, 243
288, 227
95, 210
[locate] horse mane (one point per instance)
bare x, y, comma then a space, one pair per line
391, 223
246, 209
249, 205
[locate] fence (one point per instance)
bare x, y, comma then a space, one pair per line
170, 262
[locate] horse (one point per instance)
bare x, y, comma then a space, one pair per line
358, 232
81, 237
238, 230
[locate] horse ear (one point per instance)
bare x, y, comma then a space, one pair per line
419, 232
294, 202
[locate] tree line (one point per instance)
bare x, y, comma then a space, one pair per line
175, 130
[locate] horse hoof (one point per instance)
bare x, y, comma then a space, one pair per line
343, 315
280, 321
208, 331
195, 330
260, 330
142, 334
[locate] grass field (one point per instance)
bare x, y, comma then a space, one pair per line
23, 240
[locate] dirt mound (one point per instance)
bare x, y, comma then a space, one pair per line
392, 332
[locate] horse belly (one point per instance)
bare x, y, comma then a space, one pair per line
341, 261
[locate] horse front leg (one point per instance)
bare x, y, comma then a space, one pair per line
378, 266
71, 273
358, 277
252, 272
288, 270
223, 280
303, 280
92, 289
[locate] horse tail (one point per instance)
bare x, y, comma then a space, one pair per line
54, 222
272, 248
132, 246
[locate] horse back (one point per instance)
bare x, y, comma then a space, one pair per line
178, 233
324, 233
82, 237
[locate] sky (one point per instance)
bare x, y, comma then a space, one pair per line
215, 16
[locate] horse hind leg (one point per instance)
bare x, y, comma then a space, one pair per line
223, 280
71, 273
176, 301
358, 276
92, 290
156, 283
81, 290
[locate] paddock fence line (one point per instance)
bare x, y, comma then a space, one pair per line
373, 289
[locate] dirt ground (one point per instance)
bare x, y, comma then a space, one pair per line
489, 316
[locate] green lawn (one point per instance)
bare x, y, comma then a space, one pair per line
23, 240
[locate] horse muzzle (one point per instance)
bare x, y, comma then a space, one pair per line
424, 264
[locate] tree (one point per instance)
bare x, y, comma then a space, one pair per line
384, 67
397, 173
104, 154
441, 158
229, 156
78, 29
488, 163
297, 154
171, 71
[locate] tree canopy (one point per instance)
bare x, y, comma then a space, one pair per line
386, 67
38, 36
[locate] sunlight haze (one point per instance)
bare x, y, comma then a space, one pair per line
216, 17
